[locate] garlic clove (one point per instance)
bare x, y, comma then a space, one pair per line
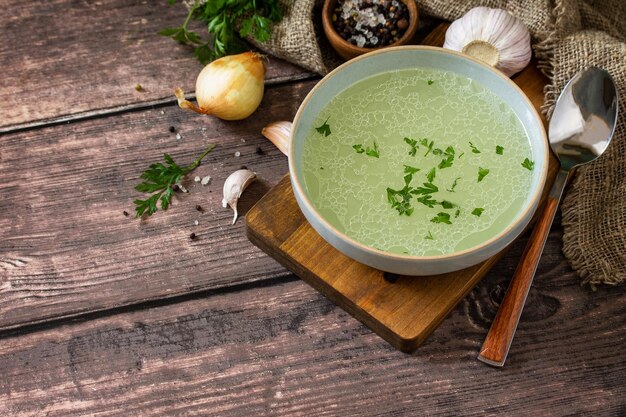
493, 36
278, 133
234, 186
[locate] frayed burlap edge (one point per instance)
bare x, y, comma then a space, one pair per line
572, 248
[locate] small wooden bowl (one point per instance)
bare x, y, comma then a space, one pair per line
348, 51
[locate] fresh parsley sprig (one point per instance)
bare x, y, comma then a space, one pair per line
228, 22
159, 180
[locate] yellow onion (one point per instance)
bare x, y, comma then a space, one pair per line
230, 88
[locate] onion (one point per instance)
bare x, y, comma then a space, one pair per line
230, 88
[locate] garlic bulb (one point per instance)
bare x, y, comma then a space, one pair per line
493, 36
278, 133
230, 88
234, 186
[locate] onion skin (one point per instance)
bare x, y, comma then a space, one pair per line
230, 88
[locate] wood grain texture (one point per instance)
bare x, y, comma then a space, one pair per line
404, 313
67, 247
286, 350
498, 341
84, 58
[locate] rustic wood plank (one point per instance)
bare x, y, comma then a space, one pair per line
286, 350
83, 58
66, 246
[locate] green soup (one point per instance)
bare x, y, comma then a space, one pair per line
420, 162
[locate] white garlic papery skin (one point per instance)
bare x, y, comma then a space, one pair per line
493, 36
278, 133
234, 186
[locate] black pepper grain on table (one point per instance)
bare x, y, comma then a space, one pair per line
371, 23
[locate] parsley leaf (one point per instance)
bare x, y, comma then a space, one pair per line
528, 164
446, 162
427, 200
430, 82
427, 144
324, 129
454, 184
456, 213
431, 175
474, 148
159, 180
428, 188
400, 200
358, 148
441, 218
447, 205
499, 150
413, 144
429, 236
482, 173
410, 170
372, 151
478, 211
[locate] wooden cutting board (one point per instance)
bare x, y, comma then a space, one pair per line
403, 312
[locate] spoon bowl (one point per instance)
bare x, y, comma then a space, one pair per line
580, 130
584, 119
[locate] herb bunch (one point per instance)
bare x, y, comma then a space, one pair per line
227, 22
159, 180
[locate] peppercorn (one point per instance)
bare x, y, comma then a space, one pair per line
382, 32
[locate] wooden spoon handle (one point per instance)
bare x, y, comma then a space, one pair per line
498, 340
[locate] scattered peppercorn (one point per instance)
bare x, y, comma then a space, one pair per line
199, 207
192, 236
243, 167
175, 187
259, 151
125, 213
172, 129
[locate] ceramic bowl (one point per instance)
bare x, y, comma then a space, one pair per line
402, 58
348, 51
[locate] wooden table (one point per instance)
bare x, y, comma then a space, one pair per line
102, 314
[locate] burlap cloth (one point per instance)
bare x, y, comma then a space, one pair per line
568, 35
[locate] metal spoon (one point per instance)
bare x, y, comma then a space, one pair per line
580, 130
